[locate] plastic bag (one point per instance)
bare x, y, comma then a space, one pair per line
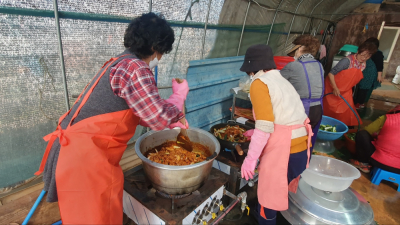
245, 83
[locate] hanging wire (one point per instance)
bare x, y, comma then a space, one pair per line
244, 24
188, 14
311, 14
205, 30
291, 24
285, 11
46, 74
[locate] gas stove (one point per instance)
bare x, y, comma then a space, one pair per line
145, 205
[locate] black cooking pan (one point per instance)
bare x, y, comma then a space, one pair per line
232, 145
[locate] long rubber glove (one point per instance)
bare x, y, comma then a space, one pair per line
179, 93
178, 97
248, 134
259, 140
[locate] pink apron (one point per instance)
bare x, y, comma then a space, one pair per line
273, 187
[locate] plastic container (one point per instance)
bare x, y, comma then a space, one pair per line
396, 79
328, 174
282, 61
341, 129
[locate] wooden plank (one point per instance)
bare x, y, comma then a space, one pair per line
128, 153
22, 193
131, 165
128, 159
16, 211
15, 207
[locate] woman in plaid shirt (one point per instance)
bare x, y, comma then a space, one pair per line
81, 162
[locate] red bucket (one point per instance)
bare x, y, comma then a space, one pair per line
282, 61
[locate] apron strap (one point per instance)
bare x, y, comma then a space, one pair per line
322, 81
87, 95
310, 133
59, 132
308, 80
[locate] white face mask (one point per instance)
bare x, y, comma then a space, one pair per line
153, 63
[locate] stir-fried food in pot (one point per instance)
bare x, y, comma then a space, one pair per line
231, 133
170, 153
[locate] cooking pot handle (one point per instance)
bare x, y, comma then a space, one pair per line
239, 149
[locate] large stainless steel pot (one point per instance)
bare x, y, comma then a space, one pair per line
176, 180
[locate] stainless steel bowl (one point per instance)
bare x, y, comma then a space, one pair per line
176, 180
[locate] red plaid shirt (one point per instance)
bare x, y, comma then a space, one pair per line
132, 80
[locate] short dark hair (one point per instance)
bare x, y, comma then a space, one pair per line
367, 46
373, 40
311, 44
149, 33
265, 70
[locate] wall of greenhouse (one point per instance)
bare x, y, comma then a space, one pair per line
35, 89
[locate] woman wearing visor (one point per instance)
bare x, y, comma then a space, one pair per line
307, 77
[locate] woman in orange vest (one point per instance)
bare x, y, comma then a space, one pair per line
342, 78
81, 162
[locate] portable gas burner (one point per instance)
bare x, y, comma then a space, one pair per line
145, 205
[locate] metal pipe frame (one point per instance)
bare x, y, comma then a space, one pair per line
291, 23
273, 21
205, 29
330, 18
319, 25
311, 15
117, 19
150, 5
244, 24
60, 49
290, 12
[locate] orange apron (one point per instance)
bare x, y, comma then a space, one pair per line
273, 184
88, 175
334, 106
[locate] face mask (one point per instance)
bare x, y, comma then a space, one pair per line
153, 63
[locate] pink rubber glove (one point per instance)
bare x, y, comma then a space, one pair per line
248, 134
258, 141
179, 124
180, 91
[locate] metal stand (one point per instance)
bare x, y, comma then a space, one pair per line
241, 95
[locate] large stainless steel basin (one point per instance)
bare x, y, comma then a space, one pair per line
176, 180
